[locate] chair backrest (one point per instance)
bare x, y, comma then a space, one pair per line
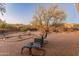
38, 40
45, 35
41, 40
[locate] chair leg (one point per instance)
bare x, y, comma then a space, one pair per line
30, 51
43, 51
23, 49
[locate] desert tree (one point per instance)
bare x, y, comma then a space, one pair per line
56, 15
2, 11
2, 8
51, 15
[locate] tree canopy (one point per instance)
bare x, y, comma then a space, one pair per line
51, 15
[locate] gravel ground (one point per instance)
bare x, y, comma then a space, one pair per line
59, 44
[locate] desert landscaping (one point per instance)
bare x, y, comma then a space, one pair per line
39, 29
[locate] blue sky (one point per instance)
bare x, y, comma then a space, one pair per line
22, 12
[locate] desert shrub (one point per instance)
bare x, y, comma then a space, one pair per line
32, 29
2, 25
23, 29
75, 27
